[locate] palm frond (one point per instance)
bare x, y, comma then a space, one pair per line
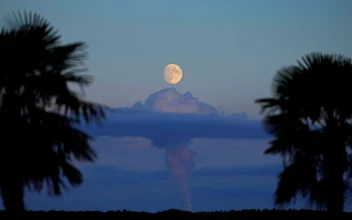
296, 178
17, 20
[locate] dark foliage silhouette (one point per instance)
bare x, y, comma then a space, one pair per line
310, 117
39, 113
252, 214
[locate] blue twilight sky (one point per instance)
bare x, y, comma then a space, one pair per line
229, 51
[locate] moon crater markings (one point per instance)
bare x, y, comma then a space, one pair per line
173, 74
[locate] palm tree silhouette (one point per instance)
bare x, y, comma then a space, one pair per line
40, 114
310, 117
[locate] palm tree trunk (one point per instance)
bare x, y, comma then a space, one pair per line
11, 182
12, 195
336, 197
11, 159
335, 183
335, 166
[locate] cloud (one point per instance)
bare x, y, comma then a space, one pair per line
137, 154
170, 120
168, 116
169, 100
175, 126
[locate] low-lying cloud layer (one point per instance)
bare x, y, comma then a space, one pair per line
178, 126
169, 115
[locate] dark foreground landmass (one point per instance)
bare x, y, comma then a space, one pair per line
180, 215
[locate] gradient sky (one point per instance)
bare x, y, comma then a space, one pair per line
229, 51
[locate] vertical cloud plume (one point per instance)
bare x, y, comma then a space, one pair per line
181, 161
179, 158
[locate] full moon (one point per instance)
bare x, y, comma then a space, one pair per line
172, 74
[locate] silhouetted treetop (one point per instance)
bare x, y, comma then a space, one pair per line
310, 116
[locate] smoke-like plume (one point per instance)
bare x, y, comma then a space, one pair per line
181, 160
178, 157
